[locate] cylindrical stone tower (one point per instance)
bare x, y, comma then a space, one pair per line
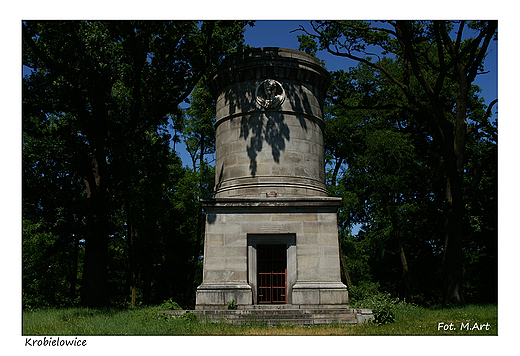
269, 125
271, 229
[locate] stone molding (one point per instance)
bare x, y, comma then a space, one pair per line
241, 187
312, 203
270, 62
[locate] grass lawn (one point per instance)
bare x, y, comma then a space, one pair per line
410, 320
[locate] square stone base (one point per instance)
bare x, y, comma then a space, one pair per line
236, 227
211, 296
303, 295
319, 294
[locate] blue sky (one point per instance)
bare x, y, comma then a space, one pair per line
277, 33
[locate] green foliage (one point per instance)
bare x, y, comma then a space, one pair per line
46, 279
199, 129
385, 307
409, 143
170, 304
362, 291
99, 172
307, 44
232, 305
188, 317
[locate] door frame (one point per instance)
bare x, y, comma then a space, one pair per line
274, 271
289, 240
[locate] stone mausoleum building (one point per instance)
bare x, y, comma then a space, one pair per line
271, 228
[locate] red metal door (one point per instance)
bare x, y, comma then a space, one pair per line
272, 274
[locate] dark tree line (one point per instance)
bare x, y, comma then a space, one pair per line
99, 175
111, 215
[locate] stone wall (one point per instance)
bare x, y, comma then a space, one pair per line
276, 146
308, 226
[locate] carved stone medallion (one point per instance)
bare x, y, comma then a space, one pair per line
269, 94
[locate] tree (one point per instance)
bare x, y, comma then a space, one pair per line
51, 207
199, 136
107, 84
382, 168
432, 64
45, 280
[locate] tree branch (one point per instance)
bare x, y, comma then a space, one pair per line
479, 58
438, 120
440, 53
368, 28
459, 35
369, 107
483, 123
478, 172
49, 62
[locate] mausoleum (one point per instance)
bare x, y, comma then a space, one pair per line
271, 227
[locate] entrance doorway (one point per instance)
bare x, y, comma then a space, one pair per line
272, 273
271, 267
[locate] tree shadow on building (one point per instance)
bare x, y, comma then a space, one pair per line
264, 128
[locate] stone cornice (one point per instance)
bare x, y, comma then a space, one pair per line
272, 63
285, 204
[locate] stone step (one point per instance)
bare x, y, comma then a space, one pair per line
272, 316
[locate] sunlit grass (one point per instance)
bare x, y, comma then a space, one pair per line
410, 320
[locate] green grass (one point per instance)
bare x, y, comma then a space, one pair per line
410, 320
422, 321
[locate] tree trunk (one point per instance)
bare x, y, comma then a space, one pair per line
199, 228
406, 273
344, 267
94, 283
132, 265
146, 257
74, 273
407, 288
453, 266
147, 284
95, 271
337, 166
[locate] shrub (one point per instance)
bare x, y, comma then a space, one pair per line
364, 290
170, 304
384, 307
232, 305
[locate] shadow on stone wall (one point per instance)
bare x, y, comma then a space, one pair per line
299, 104
267, 127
